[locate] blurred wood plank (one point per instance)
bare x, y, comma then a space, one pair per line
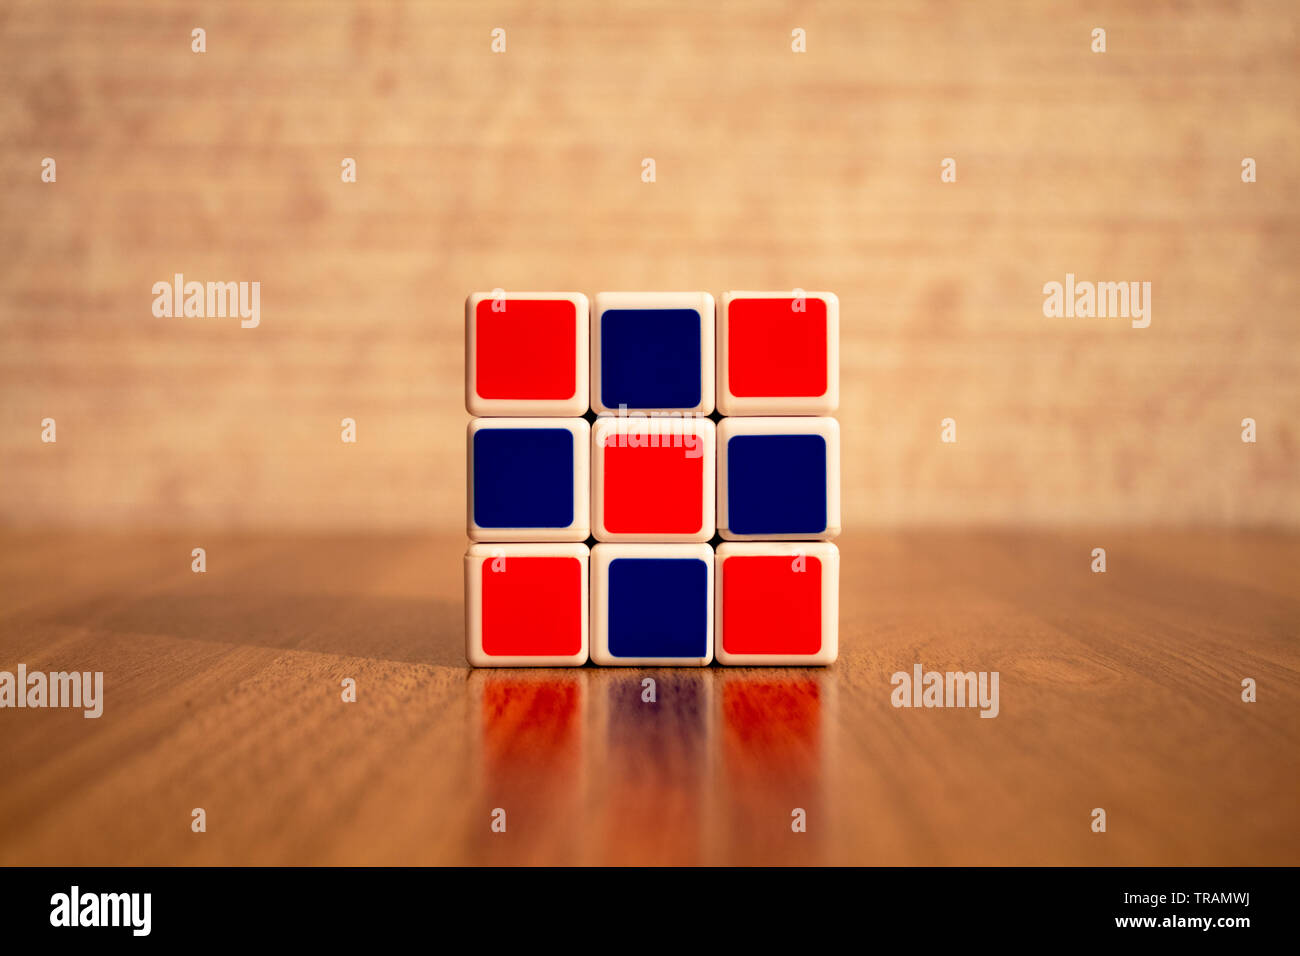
522, 170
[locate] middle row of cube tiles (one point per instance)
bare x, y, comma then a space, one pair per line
665, 479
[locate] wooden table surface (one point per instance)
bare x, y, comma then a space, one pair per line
222, 691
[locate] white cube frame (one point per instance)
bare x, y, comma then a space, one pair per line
580, 529
701, 302
825, 404
828, 555
827, 428
474, 558
602, 555
660, 429
574, 405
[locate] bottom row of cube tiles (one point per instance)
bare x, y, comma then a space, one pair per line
555, 605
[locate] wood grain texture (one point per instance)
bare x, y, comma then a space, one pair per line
222, 691
522, 170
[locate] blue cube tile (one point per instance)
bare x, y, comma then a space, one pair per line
652, 352
652, 604
776, 484
650, 358
523, 477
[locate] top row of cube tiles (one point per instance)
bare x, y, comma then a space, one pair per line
529, 353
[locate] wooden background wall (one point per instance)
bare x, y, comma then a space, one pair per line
522, 170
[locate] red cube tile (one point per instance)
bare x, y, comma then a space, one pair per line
526, 605
778, 353
526, 353
777, 603
653, 479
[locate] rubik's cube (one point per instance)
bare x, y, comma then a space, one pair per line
615, 516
